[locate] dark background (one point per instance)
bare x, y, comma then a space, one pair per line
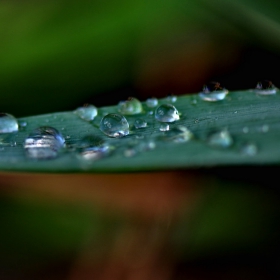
219, 223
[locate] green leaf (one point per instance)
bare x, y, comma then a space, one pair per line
248, 117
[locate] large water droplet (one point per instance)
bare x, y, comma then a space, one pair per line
213, 92
221, 139
8, 123
179, 134
132, 106
114, 125
152, 102
139, 123
265, 87
167, 113
43, 143
87, 112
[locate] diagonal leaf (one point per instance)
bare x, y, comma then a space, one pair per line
248, 117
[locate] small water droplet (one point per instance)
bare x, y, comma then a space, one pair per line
245, 129
171, 98
92, 148
139, 123
264, 128
164, 127
221, 139
43, 143
167, 113
265, 87
114, 125
213, 92
22, 124
8, 123
147, 145
88, 112
8, 139
139, 136
249, 149
130, 152
235, 112
152, 102
67, 137
150, 113
194, 101
179, 134
132, 106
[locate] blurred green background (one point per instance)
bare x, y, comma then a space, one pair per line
199, 224
57, 55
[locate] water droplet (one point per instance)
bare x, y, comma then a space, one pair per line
8, 139
147, 145
92, 148
88, 112
8, 123
43, 143
221, 139
179, 134
130, 152
132, 106
245, 129
167, 113
114, 125
194, 101
22, 124
264, 128
152, 102
164, 127
265, 87
235, 112
213, 92
249, 149
150, 113
172, 98
139, 123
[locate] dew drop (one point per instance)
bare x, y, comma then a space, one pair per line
114, 125
147, 146
164, 127
92, 148
8, 123
245, 129
43, 143
22, 124
249, 149
221, 139
88, 112
140, 123
172, 98
179, 134
167, 113
132, 106
130, 152
265, 87
152, 102
264, 128
213, 92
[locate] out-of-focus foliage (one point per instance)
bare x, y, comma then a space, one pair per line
56, 55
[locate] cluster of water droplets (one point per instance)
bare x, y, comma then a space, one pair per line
133, 122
